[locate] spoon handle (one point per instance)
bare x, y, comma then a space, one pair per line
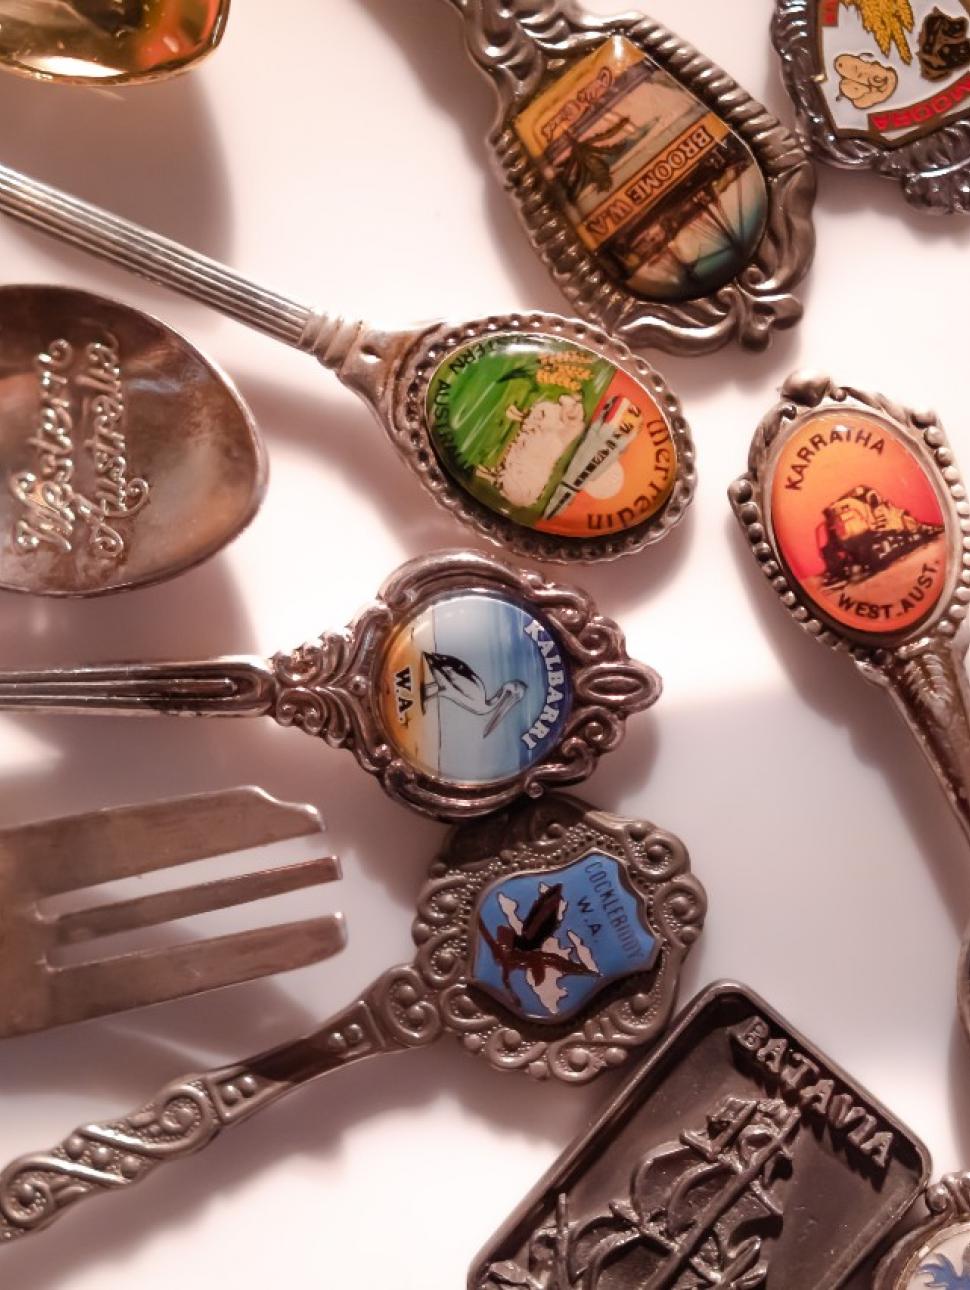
190, 1113
931, 690
157, 258
228, 687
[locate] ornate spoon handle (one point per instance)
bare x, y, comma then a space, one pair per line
190, 1113
931, 690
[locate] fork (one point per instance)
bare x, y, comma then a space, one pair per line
55, 857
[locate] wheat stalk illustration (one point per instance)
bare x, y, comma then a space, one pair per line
889, 21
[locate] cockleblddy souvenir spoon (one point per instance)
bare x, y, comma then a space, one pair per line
126, 456
542, 433
549, 940
467, 683
108, 42
856, 513
669, 206
884, 85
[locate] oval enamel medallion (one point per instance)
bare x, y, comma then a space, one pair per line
944, 1261
666, 196
859, 523
474, 689
550, 435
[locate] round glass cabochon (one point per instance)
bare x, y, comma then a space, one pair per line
859, 523
944, 1261
474, 689
551, 435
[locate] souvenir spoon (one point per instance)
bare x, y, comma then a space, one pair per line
125, 455
855, 511
108, 42
545, 435
669, 206
884, 86
467, 683
549, 940
936, 1253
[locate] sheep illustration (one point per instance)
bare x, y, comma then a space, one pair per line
545, 432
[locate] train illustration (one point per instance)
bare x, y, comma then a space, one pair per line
862, 532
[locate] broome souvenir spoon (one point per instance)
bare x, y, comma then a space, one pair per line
545, 435
884, 85
855, 511
549, 940
737, 1156
936, 1254
669, 206
467, 683
108, 42
125, 455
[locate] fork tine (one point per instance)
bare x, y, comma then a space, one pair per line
155, 976
61, 855
168, 906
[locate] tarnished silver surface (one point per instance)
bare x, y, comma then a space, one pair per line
933, 169
519, 44
332, 688
413, 1005
75, 852
737, 1156
922, 664
108, 42
126, 456
935, 1255
391, 371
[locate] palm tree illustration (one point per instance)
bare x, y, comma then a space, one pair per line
589, 161
943, 1275
889, 21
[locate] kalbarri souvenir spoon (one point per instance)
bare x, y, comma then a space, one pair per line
108, 42
467, 683
856, 513
936, 1254
669, 206
126, 456
545, 435
549, 940
737, 1156
884, 85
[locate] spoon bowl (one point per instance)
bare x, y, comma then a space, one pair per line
126, 457
111, 42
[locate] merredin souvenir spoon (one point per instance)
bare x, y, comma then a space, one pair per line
126, 456
884, 85
549, 941
670, 207
465, 684
857, 516
934, 1255
543, 434
108, 42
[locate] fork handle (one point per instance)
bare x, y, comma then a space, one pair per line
183, 1118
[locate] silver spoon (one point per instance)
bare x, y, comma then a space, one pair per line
108, 42
541, 432
126, 456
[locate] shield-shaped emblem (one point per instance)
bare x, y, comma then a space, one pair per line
546, 943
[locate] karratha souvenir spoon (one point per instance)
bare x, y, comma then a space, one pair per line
467, 683
542, 433
669, 206
856, 513
108, 42
884, 85
126, 456
549, 940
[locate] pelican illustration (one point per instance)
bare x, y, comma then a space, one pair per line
452, 678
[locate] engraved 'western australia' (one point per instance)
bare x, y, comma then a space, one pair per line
659, 188
551, 435
859, 523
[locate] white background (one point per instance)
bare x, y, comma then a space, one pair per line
336, 150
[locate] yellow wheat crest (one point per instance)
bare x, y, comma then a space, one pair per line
889, 21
